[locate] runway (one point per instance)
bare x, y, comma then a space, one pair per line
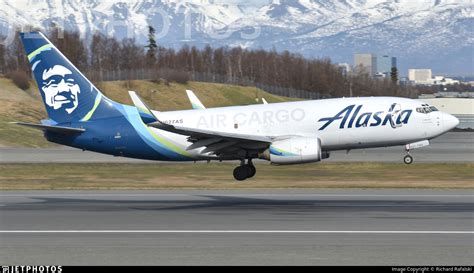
451, 147
252, 227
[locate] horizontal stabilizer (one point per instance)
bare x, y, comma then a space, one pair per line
55, 129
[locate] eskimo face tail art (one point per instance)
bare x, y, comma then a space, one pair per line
67, 94
80, 116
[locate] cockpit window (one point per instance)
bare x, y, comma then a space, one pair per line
426, 109
420, 110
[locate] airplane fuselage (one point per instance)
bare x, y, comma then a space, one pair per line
345, 123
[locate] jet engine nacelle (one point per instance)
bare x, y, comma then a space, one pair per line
295, 150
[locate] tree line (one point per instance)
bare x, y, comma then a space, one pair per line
234, 64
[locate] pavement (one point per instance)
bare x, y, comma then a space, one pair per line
456, 147
238, 227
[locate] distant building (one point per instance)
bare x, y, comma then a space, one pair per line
423, 77
385, 64
440, 80
365, 63
345, 68
419, 76
404, 81
380, 75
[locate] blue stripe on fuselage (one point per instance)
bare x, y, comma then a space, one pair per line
122, 133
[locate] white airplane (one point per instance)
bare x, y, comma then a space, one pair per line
283, 133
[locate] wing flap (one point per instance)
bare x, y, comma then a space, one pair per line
203, 143
215, 148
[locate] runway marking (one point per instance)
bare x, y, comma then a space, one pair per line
248, 231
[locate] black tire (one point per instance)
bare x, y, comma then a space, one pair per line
240, 173
408, 159
251, 171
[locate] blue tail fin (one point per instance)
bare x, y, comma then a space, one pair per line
67, 94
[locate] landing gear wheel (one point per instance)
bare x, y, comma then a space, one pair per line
240, 173
251, 171
408, 159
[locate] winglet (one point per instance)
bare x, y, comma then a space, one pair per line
264, 101
145, 112
195, 102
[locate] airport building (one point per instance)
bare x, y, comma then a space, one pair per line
365, 63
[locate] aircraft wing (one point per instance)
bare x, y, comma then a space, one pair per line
214, 141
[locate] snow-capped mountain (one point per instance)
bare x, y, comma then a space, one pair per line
436, 34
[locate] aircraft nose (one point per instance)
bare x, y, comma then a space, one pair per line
449, 121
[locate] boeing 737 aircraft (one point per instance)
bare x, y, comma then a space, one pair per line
80, 116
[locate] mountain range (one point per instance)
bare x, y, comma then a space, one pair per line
435, 34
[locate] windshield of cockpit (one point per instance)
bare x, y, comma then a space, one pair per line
426, 109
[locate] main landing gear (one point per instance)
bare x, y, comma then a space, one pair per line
245, 171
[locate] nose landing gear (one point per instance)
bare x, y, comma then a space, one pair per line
245, 171
408, 159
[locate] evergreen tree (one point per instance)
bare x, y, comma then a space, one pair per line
394, 75
152, 47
